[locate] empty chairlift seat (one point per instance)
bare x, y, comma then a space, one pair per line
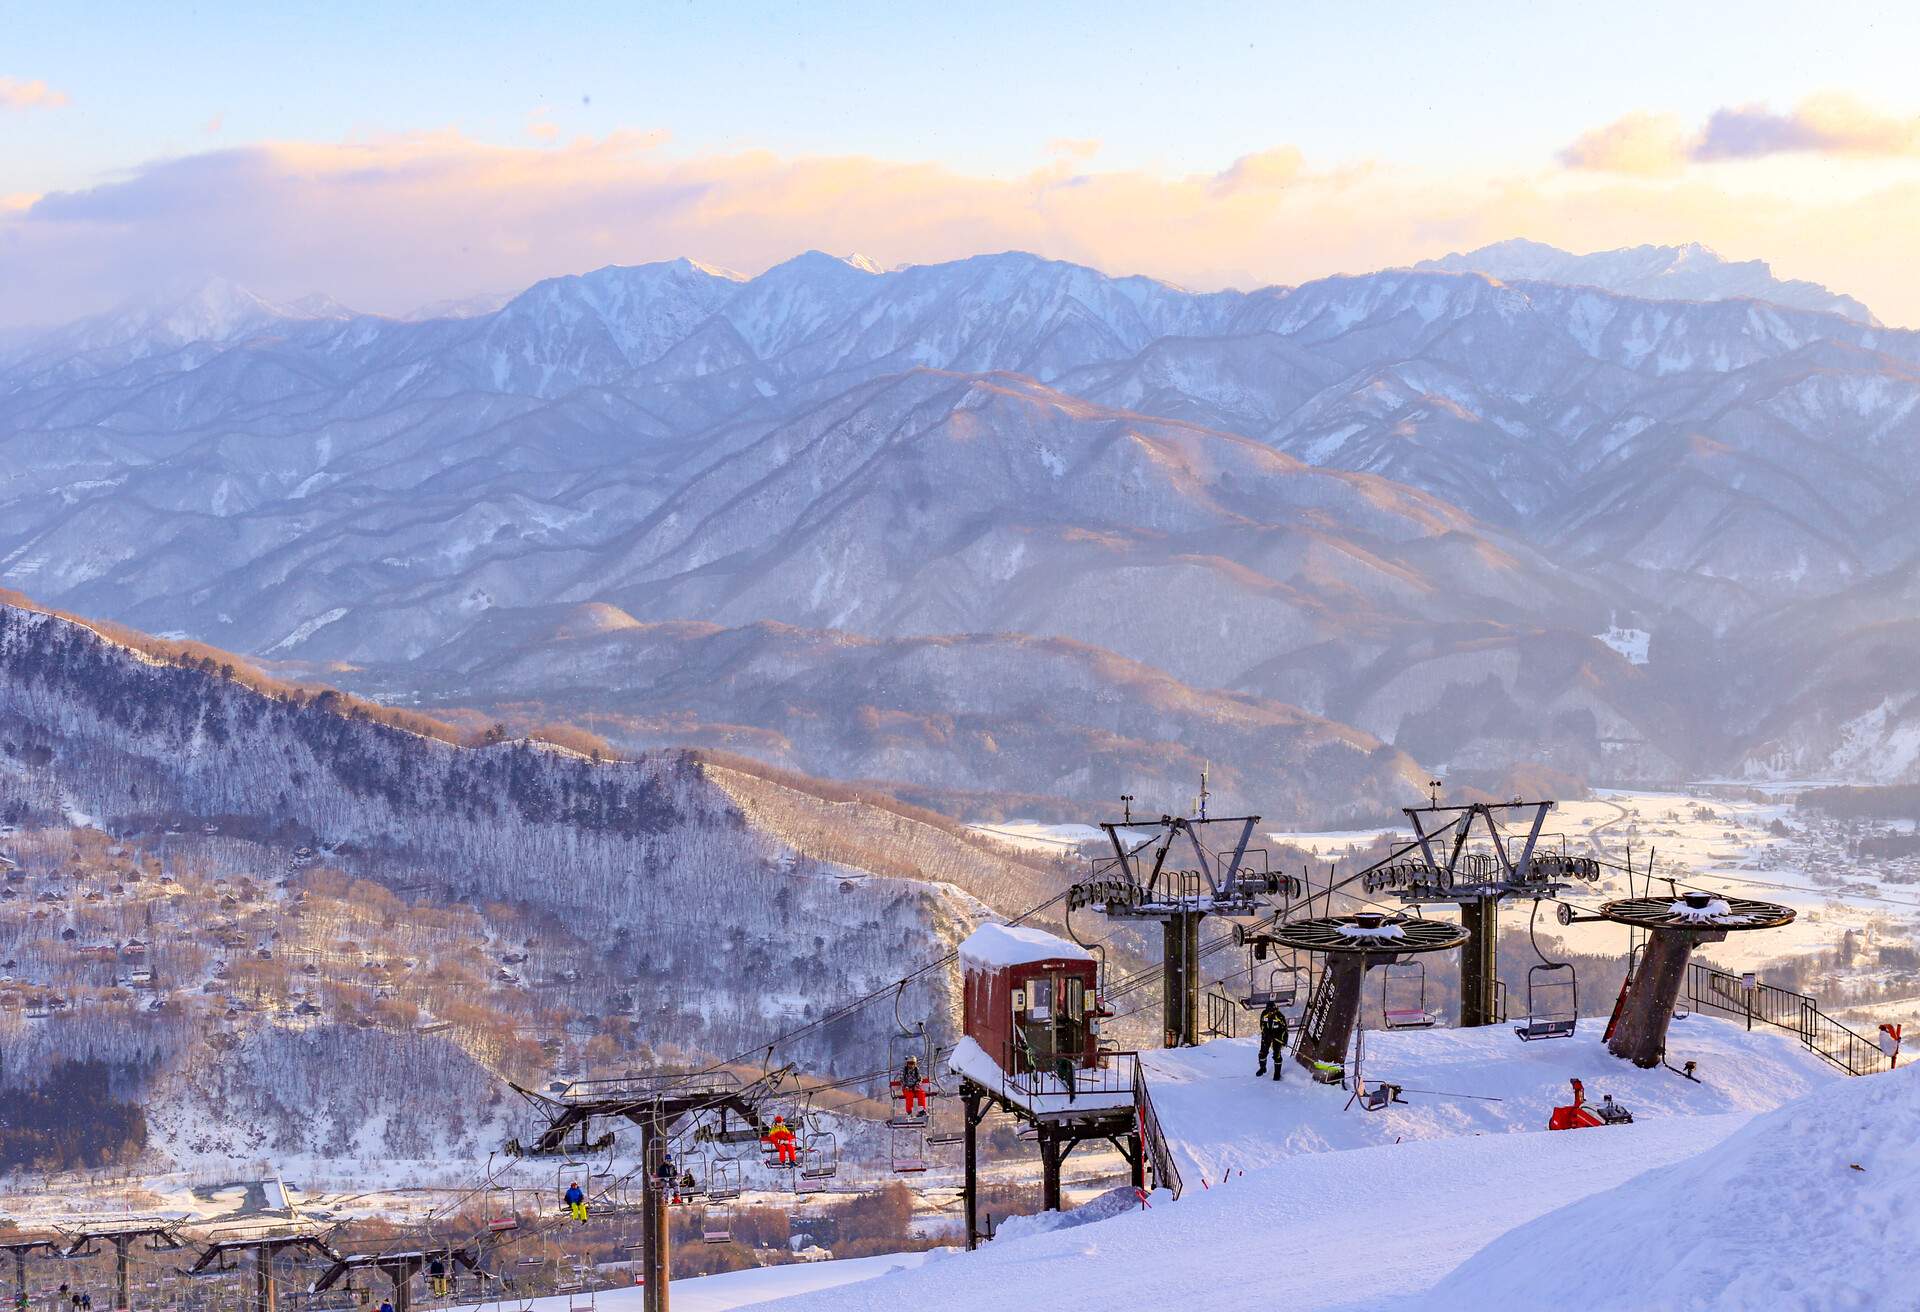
908, 1150
1403, 997
1553, 1003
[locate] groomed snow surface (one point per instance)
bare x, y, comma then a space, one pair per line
1736, 1193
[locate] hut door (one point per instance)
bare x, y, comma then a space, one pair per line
1036, 1030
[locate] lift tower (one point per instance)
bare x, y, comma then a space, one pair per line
1676, 926
1165, 870
160, 1233
1349, 947
657, 1104
1480, 866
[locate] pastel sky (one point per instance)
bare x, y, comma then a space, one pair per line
392, 155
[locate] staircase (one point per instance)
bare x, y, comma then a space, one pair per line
1166, 1174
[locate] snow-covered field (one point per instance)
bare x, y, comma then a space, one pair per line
1310, 1206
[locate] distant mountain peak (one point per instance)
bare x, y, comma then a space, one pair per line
1689, 272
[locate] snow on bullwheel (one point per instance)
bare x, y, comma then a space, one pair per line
1676, 926
1351, 946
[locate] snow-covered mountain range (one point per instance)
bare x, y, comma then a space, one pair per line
1414, 502
1663, 273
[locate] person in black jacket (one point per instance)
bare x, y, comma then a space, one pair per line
1273, 1038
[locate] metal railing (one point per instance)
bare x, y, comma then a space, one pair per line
1117, 1073
1166, 1174
1796, 1013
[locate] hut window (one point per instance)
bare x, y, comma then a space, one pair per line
1040, 999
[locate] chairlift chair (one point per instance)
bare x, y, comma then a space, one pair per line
1553, 1006
1403, 997
745, 1132
908, 1150
716, 1223
819, 1156
1276, 985
723, 1178
1553, 993
908, 1042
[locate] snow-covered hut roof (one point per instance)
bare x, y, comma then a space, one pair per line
995, 946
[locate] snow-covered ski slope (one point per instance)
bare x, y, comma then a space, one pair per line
1307, 1205
1815, 1205
1218, 1117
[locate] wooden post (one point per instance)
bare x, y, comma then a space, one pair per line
20, 1299
1641, 1034
1137, 1159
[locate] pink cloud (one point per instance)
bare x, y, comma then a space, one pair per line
1825, 125
1650, 144
1266, 170
1660, 145
16, 93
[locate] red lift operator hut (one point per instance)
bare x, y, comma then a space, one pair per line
1030, 999
1031, 1048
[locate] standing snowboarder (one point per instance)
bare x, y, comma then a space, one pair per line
576, 1201
1273, 1038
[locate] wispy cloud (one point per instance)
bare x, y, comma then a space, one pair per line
17, 93
1080, 148
1661, 145
541, 127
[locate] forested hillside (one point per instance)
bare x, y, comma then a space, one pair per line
225, 894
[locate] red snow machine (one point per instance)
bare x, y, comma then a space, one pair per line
1580, 1116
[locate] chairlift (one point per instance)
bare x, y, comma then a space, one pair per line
908, 1149
716, 1223
745, 1132
1403, 997
909, 1043
723, 1178
1553, 994
820, 1155
1272, 985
